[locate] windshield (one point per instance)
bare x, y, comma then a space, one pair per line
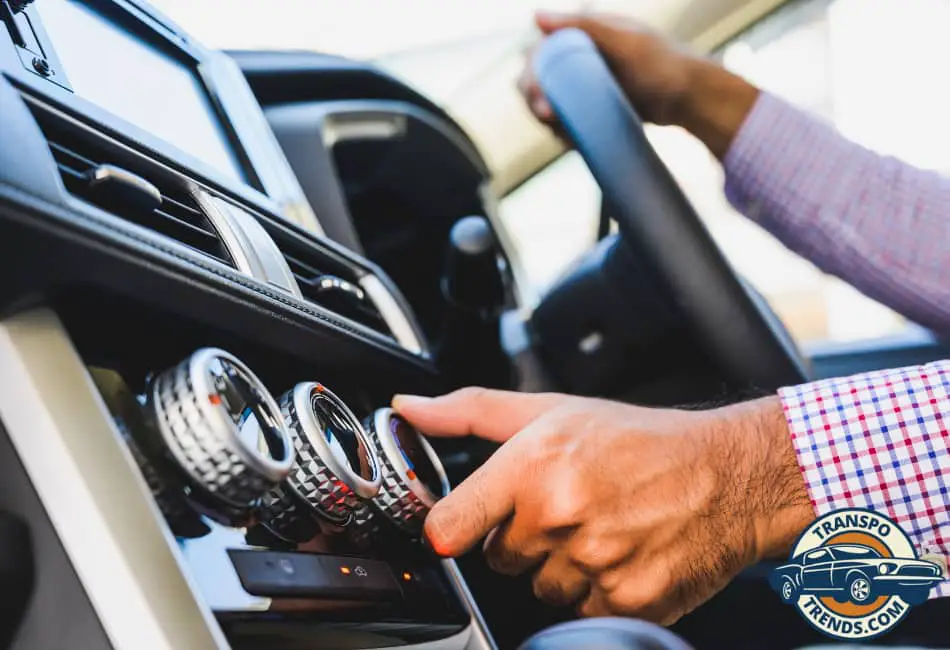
854, 552
463, 54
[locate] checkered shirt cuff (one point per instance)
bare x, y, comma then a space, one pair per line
880, 441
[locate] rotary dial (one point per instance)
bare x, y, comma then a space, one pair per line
335, 464
222, 428
412, 475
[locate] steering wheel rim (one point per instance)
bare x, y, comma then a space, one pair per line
742, 337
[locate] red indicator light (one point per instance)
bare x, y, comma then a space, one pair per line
345, 570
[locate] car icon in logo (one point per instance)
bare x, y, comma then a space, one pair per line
854, 573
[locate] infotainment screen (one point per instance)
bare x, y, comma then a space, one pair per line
137, 82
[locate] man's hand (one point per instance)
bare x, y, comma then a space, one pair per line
665, 84
626, 510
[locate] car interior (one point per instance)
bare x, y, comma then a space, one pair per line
221, 260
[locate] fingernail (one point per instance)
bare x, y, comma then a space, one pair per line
409, 401
542, 108
432, 536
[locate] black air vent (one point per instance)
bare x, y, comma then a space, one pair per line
310, 265
78, 151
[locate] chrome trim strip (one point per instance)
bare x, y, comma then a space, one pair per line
238, 248
98, 502
481, 637
264, 260
389, 309
363, 125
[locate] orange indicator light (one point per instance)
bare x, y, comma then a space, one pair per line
214, 399
345, 570
411, 475
407, 576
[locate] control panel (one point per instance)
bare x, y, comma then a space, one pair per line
289, 508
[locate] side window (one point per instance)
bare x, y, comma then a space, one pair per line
817, 556
551, 219
827, 56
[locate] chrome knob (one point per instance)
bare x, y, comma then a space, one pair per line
335, 465
413, 478
223, 428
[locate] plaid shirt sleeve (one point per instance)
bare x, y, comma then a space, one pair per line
879, 440
876, 222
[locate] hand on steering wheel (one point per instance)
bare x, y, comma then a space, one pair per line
659, 224
652, 72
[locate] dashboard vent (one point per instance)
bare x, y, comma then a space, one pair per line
317, 274
78, 151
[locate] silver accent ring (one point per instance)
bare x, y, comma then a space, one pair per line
403, 497
204, 440
319, 476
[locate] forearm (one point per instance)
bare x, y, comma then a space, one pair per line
876, 222
715, 105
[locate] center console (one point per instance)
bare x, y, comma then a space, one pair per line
194, 428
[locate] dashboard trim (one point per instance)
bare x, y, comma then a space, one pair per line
71, 448
40, 194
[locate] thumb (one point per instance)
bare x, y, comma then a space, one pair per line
490, 414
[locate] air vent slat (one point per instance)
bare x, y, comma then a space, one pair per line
308, 264
79, 150
60, 152
301, 268
199, 232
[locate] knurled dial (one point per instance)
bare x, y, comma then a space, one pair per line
413, 478
335, 465
222, 428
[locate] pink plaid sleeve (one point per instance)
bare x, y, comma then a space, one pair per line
874, 221
880, 441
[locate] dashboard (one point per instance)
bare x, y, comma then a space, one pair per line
196, 369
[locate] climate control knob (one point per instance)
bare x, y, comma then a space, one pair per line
335, 466
413, 478
224, 430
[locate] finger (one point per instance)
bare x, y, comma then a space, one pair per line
480, 503
542, 108
490, 414
596, 604
559, 582
516, 546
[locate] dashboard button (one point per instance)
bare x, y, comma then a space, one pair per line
310, 575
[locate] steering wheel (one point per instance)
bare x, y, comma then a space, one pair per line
733, 325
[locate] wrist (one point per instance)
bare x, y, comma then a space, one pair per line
771, 494
714, 105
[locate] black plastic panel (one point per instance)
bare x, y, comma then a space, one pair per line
59, 608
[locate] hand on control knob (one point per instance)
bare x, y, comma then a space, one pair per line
629, 511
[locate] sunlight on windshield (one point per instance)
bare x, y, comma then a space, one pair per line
360, 29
